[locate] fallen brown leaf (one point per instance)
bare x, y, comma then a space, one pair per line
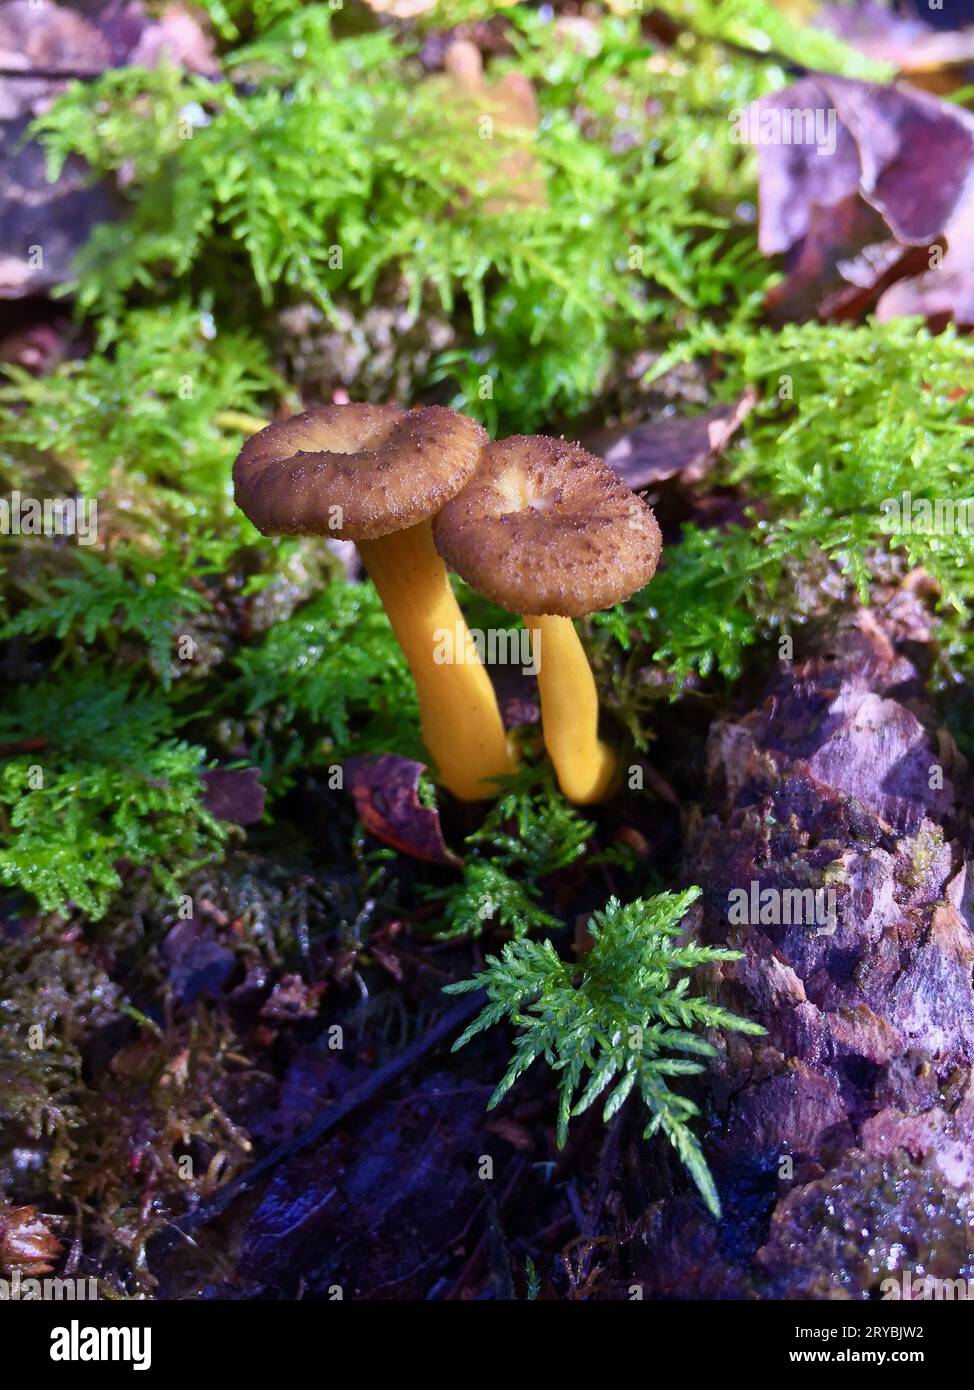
900, 165
684, 445
509, 104
386, 794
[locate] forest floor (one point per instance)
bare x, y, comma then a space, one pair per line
232, 894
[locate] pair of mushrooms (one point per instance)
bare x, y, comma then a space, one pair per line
537, 525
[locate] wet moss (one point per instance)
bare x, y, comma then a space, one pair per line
867, 1221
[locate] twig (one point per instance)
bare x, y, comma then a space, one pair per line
498, 1255
466, 1274
50, 74
608, 1168
208, 1211
86, 75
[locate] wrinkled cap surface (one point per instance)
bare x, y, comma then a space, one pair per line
544, 527
355, 472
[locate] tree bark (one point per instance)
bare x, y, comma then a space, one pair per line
843, 1141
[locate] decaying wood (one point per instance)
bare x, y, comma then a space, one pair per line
843, 1141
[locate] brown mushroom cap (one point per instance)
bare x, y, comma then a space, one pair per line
544, 527
355, 472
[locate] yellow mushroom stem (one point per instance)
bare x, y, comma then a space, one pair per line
239, 422
586, 766
459, 717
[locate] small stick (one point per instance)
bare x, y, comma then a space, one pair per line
447, 1023
50, 74
608, 1165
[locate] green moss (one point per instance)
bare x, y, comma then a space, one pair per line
636, 229
636, 235
764, 27
105, 781
633, 152
329, 681
530, 834
850, 419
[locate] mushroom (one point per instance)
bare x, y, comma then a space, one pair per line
550, 531
376, 474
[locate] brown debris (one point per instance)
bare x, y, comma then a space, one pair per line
904, 41
44, 224
684, 446
340, 1213
386, 794
234, 794
50, 38
26, 1242
501, 116
292, 1001
831, 211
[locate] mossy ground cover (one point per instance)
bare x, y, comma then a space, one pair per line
322, 173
